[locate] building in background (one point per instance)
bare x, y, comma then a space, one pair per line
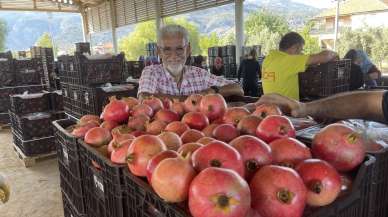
354, 14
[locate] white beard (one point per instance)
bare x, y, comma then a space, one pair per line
175, 70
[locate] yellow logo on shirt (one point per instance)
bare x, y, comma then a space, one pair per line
269, 76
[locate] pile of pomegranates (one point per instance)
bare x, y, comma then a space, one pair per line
225, 162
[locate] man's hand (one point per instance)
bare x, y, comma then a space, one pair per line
287, 105
322, 57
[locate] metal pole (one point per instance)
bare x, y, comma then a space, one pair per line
84, 25
50, 16
336, 25
239, 26
158, 20
114, 24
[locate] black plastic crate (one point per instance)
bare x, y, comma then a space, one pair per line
56, 100
135, 68
82, 47
28, 71
144, 202
30, 103
325, 79
34, 147
104, 183
73, 187
69, 209
4, 118
5, 105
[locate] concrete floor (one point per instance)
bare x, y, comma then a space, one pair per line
35, 191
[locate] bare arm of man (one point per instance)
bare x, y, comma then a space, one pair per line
363, 104
161, 96
322, 57
231, 90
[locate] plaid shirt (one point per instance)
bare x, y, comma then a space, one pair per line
155, 80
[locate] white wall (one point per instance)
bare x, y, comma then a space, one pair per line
371, 20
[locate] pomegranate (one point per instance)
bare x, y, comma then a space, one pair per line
248, 125
208, 131
167, 103
213, 106
103, 150
275, 127
98, 136
109, 125
89, 118
206, 140
142, 109
250, 106
187, 148
225, 132
155, 160
339, 145
192, 103
264, 110
191, 136
218, 154
254, 152
142, 149
171, 140
177, 127
122, 129
79, 131
219, 192
195, 120
138, 133
252, 213
115, 110
178, 108
130, 101
167, 116
138, 122
117, 139
278, 191
119, 154
234, 115
176, 172
289, 152
155, 127
155, 103
218, 121
322, 181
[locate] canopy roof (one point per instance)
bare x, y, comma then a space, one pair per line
40, 5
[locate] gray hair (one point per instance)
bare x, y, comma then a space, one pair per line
173, 29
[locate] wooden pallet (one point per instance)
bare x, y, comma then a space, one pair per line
29, 161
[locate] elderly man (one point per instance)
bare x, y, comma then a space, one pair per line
174, 79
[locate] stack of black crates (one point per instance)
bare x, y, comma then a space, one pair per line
88, 82
46, 57
31, 116
228, 55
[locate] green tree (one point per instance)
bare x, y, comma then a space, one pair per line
311, 44
45, 40
228, 39
3, 34
207, 41
263, 19
266, 38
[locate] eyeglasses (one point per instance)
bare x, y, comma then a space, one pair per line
169, 51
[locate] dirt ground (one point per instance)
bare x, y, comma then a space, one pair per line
35, 191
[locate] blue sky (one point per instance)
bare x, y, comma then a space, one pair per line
317, 3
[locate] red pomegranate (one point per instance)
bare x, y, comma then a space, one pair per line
254, 152
225, 132
191, 136
117, 139
109, 125
155, 103
89, 118
213, 106
142, 149
155, 160
138, 133
252, 213
234, 115
122, 129
322, 181
275, 127
119, 154
283, 190
187, 148
192, 103
98, 136
155, 127
206, 140
130, 101
250, 106
219, 192
171, 140
79, 130
248, 125
218, 121
178, 108
167, 103
289, 152
167, 116
195, 120
176, 172
264, 110
208, 131
177, 127
103, 150
115, 110
218, 154
142, 109
138, 122
339, 145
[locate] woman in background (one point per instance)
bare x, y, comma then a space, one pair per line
218, 67
356, 75
250, 72
371, 73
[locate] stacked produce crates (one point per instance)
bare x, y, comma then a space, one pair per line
134, 69
228, 55
31, 116
46, 56
88, 82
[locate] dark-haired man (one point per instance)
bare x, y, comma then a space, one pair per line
281, 68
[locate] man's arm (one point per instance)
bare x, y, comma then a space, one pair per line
143, 95
362, 104
231, 90
322, 57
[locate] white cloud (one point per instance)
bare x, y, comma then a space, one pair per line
317, 3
